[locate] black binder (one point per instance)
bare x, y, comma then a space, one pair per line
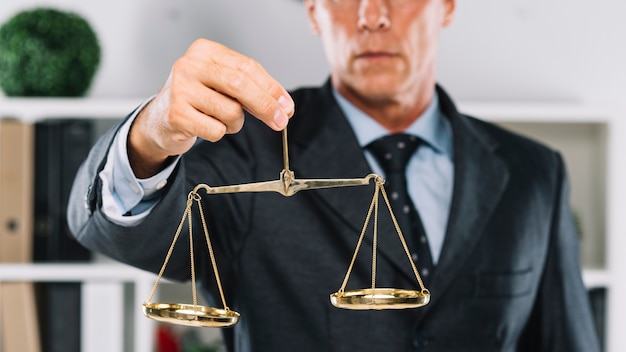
60, 147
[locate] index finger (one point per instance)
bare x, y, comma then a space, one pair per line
245, 80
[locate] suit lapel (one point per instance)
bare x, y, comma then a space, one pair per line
480, 179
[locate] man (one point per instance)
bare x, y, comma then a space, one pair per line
505, 272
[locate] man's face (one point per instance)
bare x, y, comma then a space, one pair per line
380, 49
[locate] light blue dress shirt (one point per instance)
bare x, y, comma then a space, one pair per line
430, 172
126, 200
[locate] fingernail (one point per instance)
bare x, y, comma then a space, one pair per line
286, 104
280, 119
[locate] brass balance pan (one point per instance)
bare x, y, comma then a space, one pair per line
380, 298
190, 315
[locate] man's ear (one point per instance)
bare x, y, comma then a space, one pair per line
450, 7
310, 9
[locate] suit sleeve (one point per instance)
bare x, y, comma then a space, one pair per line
143, 244
561, 318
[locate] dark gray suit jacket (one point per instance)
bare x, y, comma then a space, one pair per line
508, 278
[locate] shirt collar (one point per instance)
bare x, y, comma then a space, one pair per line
432, 127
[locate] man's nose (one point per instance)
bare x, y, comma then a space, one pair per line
374, 15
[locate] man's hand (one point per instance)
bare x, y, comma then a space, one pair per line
205, 96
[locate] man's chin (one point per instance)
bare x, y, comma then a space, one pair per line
373, 88
378, 91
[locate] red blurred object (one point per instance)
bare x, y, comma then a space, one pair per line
167, 341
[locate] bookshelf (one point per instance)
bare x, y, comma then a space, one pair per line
589, 137
109, 292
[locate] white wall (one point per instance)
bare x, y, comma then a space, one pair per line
569, 50
141, 38
565, 50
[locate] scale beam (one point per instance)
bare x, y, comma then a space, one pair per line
287, 185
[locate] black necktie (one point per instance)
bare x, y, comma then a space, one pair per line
393, 153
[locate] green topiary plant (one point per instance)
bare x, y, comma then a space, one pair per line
47, 52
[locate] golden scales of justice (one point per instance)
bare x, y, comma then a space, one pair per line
360, 299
